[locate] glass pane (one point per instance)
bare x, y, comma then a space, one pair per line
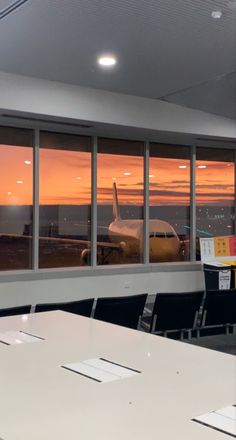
214, 193
16, 195
169, 200
120, 202
65, 200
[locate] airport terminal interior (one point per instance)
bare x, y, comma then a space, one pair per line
117, 218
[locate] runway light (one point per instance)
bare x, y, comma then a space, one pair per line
216, 14
27, 162
127, 174
202, 166
183, 166
19, 181
107, 60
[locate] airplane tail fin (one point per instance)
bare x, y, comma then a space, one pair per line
116, 208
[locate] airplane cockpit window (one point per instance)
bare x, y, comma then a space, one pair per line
65, 200
16, 198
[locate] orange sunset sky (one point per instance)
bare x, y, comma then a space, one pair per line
65, 178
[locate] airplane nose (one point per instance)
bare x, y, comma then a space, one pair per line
163, 249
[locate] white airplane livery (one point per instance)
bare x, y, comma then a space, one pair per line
164, 244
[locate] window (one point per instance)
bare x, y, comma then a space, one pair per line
214, 192
120, 202
169, 200
16, 196
65, 200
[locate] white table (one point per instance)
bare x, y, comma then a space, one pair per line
39, 400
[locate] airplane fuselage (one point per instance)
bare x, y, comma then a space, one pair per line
164, 244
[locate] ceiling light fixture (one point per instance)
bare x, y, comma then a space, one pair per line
127, 174
151, 175
216, 14
19, 181
107, 60
27, 162
202, 166
183, 166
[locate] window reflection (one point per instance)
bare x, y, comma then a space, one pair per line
16, 164
214, 193
65, 200
169, 199
120, 202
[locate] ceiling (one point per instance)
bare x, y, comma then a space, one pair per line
166, 49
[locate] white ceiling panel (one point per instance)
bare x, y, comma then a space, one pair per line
162, 46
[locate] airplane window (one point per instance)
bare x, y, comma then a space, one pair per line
169, 202
65, 200
214, 193
120, 202
16, 198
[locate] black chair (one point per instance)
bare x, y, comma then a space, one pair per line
175, 314
219, 310
123, 310
82, 307
21, 310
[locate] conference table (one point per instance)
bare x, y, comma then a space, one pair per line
168, 384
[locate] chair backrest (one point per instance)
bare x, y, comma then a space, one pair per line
122, 310
21, 310
82, 307
175, 311
220, 307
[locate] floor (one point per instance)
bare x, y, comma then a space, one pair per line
223, 343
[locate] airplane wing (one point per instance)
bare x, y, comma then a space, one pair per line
103, 244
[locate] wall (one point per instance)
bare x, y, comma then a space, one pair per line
65, 289
52, 99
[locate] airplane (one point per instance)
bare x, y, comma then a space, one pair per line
164, 244
126, 238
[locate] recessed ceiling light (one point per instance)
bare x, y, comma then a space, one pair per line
107, 60
27, 162
127, 174
216, 14
202, 166
182, 166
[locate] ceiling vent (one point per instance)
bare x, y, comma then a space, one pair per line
221, 141
47, 121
